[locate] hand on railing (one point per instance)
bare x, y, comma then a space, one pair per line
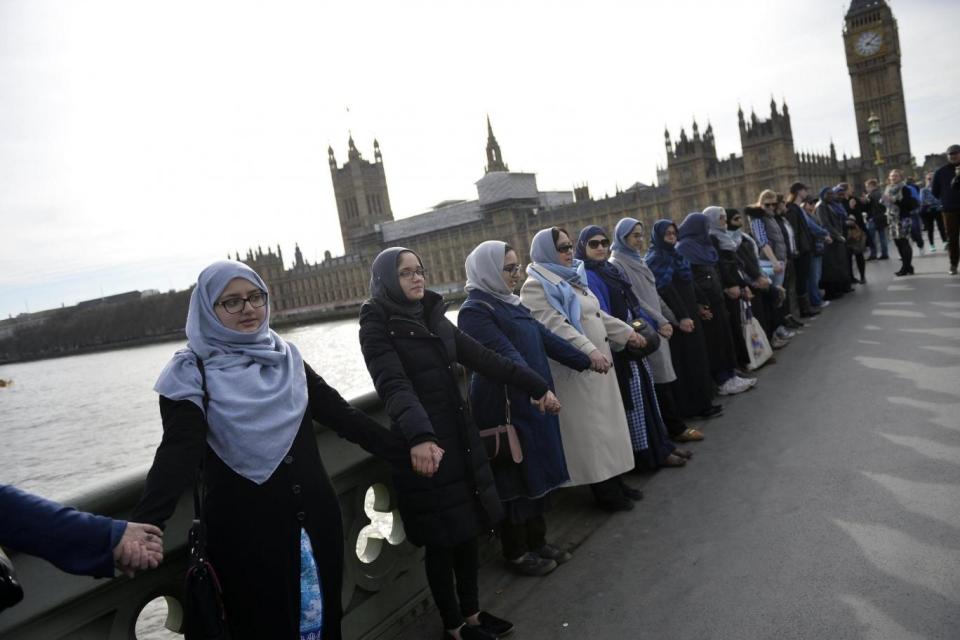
140, 547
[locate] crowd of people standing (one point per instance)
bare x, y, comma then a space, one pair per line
585, 366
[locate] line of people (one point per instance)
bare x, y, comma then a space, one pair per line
635, 332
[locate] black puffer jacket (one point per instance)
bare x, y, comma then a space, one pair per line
415, 372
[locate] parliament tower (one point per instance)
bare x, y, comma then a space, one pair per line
360, 188
872, 46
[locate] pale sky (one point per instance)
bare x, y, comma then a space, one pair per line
141, 140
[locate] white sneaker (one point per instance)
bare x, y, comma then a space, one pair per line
749, 382
923, 252
784, 333
732, 387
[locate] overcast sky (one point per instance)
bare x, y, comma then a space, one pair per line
141, 140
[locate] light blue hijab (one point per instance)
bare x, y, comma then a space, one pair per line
256, 381
561, 296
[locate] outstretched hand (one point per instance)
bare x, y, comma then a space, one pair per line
140, 547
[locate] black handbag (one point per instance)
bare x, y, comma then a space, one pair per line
10, 590
650, 336
204, 616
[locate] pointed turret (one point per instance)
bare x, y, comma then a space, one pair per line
494, 157
353, 153
377, 156
297, 255
696, 130
331, 158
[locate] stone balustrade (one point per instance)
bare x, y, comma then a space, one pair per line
381, 591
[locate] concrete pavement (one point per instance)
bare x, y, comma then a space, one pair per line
825, 503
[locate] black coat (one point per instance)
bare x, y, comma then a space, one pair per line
414, 369
253, 530
799, 223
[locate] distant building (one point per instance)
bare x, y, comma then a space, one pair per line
511, 207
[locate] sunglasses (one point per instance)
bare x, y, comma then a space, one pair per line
768, 204
565, 248
595, 244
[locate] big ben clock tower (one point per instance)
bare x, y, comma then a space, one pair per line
873, 58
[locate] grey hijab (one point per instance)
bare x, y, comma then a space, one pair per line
385, 283
484, 267
718, 229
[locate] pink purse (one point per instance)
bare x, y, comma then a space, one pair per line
513, 440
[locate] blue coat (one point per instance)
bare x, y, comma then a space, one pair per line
73, 541
512, 332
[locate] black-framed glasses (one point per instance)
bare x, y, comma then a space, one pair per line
235, 305
513, 269
768, 204
596, 244
565, 248
407, 274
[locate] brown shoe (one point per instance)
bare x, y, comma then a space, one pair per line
689, 435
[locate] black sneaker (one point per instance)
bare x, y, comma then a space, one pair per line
714, 410
556, 554
493, 625
630, 492
468, 632
620, 503
532, 564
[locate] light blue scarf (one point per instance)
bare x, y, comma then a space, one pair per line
256, 381
561, 296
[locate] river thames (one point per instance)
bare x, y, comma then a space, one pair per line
68, 424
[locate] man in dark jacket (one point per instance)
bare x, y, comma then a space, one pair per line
804, 244
876, 222
946, 188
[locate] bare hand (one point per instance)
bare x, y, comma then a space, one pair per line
732, 292
828, 240
548, 403
666, 330
599, 362
425, 458
763, 283
687, 325
778, 267
140, 547
747, 294
705, 313
636, 341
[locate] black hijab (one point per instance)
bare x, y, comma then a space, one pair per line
385, 283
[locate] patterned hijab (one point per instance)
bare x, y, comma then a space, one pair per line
256, 381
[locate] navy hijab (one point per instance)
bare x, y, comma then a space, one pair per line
694, 240
610, 273
662, 257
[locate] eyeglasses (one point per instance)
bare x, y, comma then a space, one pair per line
407, 274
768, 204
513, 269
596, 244
235, 305
565, 248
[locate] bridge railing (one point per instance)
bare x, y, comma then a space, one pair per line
381, 590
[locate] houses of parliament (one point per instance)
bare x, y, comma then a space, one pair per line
510, 207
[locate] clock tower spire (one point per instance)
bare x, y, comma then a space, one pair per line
872, 45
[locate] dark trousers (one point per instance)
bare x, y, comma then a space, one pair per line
669, 409
443, 564
517, 539
906, 253
951, 220
861, 265
932, 217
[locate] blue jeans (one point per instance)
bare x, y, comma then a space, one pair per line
873, 233
813, 284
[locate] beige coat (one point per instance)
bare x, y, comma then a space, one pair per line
596, 439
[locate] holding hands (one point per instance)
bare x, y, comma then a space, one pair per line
599, 362
686, 325
548, 403
426, 458
666, 330
140, 547
636, 341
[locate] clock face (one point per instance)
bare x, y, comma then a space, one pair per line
868, 43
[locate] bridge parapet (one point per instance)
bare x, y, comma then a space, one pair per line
381, 591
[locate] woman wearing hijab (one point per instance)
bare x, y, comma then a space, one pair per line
735, 288
494, 317
900, 202
272, 517
625, 254
836, 273
652, 448
448, 498
596, 439
688, 349
694, 245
